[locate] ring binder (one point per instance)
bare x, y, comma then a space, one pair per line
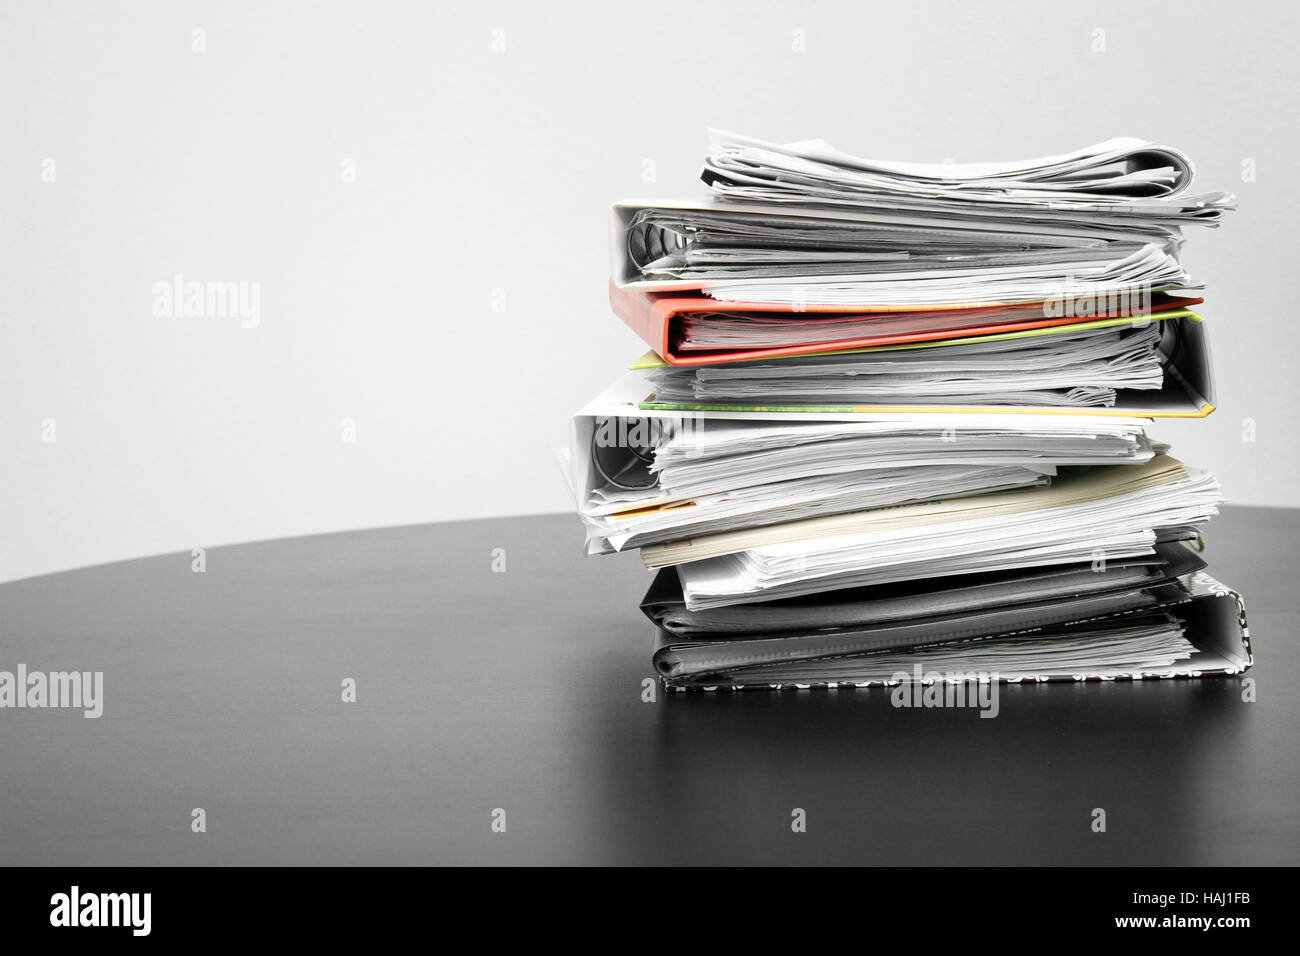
919, 397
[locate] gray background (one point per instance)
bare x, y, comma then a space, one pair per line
479, 171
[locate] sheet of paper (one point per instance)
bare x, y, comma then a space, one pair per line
1086, 513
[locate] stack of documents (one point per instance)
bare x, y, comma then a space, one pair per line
897, 415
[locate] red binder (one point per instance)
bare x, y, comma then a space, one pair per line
655, 317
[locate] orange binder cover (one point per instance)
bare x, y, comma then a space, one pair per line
654, 315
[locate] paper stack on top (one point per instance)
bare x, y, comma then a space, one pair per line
896, 414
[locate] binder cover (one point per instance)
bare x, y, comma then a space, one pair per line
626, 274
627, 398
1188, 390
1213, 614
655, 316
914, 601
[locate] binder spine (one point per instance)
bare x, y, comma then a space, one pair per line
641, 313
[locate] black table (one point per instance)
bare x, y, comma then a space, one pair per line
522, 691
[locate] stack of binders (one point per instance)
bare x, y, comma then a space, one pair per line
895, 417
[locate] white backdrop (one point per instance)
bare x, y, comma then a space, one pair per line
418, 195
